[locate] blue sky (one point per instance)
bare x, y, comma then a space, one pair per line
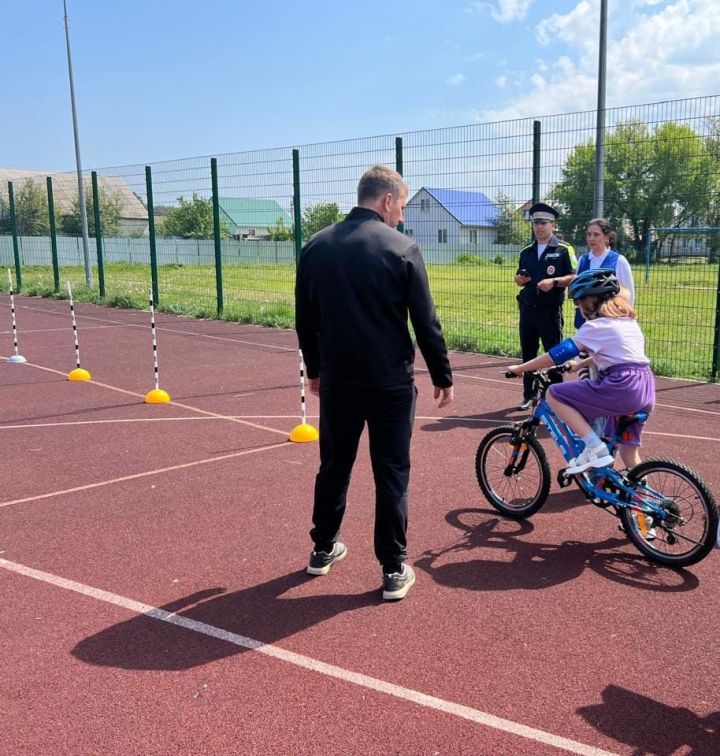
163, 80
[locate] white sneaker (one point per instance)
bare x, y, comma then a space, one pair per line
597, 457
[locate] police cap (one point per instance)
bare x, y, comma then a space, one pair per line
541, 211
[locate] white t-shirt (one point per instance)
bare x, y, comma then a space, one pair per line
622, 271
612, 341
541, 249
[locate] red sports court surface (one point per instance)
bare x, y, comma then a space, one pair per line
152, 557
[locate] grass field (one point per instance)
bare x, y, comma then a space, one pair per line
476, 303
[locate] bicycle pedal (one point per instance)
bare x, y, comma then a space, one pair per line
564, 480
600, 503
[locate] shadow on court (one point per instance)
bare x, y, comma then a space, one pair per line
651, 727
500, 560
259, 612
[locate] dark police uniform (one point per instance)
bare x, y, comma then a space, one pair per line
541, 316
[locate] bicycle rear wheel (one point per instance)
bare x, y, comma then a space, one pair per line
689, 534
517, 490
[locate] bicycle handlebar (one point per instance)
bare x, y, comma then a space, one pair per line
564, 368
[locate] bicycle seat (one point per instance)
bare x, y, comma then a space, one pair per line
625, 421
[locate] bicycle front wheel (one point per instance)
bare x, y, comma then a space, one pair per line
689, 534
516, 488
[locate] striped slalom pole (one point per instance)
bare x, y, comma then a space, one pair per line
79, 374
302, 387
157, 395
16, 358
303, 433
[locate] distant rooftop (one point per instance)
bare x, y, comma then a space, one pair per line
470, 208
65, 189
246, 212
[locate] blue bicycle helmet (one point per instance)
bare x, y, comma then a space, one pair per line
601, 282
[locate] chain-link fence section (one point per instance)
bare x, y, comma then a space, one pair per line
219, 237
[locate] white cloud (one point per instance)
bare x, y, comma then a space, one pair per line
455, 79
501, 81
654, 53
505, 11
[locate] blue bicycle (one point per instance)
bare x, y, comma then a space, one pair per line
665, 508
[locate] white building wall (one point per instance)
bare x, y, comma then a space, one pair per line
425, 224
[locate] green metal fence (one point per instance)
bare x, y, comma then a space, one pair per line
219, 237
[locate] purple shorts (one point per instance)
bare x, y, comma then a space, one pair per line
619, 390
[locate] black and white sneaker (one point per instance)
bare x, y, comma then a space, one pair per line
526, 404
321, 561
397, 584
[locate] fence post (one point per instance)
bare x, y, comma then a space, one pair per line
151, 232
648, 252
53, 237
716, 334
297, 217
98, 233
16, 249
216, 235
399, 169
535, 169
536, 163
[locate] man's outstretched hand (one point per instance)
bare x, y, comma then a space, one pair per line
445, 395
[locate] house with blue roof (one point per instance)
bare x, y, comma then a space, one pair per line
451, 218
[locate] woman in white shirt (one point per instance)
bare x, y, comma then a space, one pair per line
600, 240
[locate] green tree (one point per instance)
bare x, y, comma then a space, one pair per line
31, 211
319, 216
512, 228
191, 219
111, 205
662, 177
279, 232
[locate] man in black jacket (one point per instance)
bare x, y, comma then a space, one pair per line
357, 282
545, 270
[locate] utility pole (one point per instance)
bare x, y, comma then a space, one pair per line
599, 204
78, 162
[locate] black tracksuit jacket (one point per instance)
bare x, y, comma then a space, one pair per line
357, 282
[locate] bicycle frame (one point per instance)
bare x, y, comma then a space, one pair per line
605, 485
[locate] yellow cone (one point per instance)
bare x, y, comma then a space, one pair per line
79, 374
303, 434
157, 396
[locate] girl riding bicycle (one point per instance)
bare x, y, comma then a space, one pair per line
625, 384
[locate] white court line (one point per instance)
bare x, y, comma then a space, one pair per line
507, 382
147, 473
62, 424
307, 662
162, 328
175, 404
459, 418
456, 375
51, 330
151, 420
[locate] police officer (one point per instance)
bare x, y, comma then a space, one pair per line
546, 268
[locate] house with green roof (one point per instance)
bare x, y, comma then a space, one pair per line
250, 218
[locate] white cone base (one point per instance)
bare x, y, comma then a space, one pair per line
17, 359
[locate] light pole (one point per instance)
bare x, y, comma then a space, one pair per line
600, 129
78, 163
